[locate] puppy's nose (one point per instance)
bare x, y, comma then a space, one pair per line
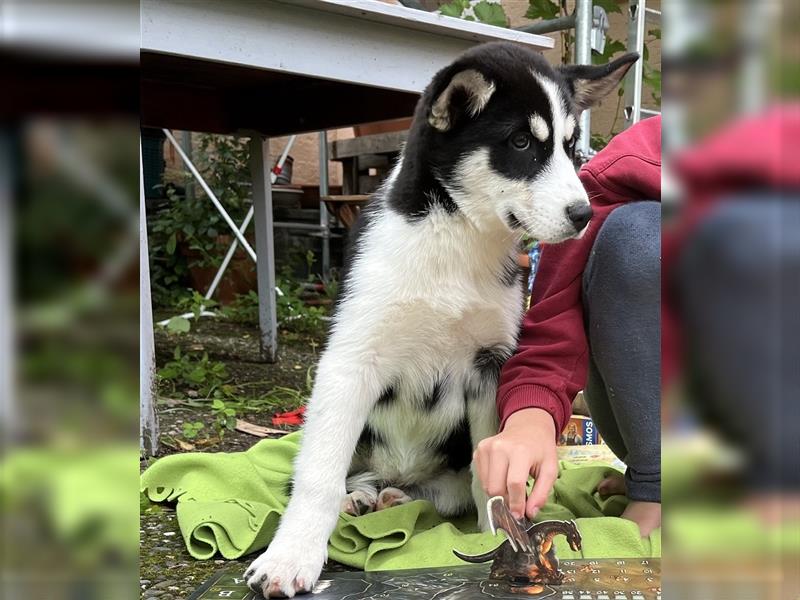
579, 213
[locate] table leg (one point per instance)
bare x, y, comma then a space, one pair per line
148, 420
265, 265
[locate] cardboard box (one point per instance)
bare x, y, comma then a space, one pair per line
579, 431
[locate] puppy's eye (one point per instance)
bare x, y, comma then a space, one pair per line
570, 145
521, 141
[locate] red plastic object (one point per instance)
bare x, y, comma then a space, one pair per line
293, 417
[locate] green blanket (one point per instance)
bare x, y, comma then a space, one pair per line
231, 504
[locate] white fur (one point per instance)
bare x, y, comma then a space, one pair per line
539, 127
569, 127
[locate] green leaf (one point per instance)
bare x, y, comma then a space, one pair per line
197, 375
656, 33
217, 404
491, 14
542, 9
178, 325
172, 242
610, 6
612, 47
652, 79
230, 423
168, 373
454, 9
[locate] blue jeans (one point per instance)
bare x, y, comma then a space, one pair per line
621, 299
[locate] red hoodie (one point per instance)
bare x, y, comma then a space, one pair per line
550, 365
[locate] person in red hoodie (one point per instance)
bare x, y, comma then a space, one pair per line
593, 325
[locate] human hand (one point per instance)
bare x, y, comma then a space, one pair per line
526, 446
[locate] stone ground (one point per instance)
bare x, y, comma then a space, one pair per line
166, 568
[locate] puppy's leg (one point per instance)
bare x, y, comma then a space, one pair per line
483, 423
337, 412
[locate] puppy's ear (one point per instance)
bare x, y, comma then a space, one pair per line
467, 92
590, 84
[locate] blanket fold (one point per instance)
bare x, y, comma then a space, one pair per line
231, 503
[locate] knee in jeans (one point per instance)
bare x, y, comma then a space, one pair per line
724, 241
627, 250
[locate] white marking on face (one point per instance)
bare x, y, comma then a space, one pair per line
558, 108
569, 129
539, 127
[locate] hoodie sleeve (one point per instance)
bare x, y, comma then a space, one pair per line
550, 364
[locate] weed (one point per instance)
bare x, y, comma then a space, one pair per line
224, 416
199, 374
294, 315
195, 304
192, 429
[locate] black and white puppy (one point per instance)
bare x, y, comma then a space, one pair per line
431, 304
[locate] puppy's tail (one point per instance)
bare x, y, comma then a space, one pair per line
476, 558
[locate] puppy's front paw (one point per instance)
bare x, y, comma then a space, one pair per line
391, 496
358, 503
285, 569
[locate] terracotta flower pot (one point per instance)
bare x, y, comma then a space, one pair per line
240, 276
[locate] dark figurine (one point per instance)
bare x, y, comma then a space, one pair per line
528, 555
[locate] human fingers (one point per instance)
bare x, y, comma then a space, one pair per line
545, 478
519, 468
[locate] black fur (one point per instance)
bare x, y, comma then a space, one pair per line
368, 439
430, 155
386, 397
489, 361
356, 231
513, 221
457, 448
509, 274
437, 393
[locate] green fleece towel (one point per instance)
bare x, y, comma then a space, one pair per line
231, 504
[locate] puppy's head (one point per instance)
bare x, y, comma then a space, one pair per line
499, 127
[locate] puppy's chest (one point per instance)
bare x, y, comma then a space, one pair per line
453, 318
415, 428
421, 423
